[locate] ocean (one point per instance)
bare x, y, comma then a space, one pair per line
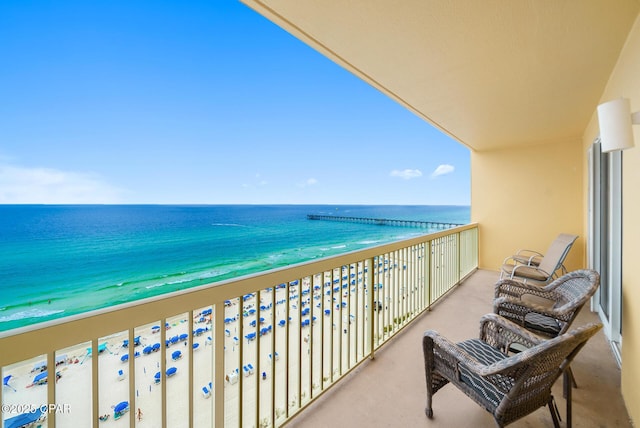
59, 260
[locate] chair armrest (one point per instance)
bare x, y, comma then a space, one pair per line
528, 257
520, 270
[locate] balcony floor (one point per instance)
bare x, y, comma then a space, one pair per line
389, 391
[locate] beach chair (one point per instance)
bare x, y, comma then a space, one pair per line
509, 386
232, 377
120, 375
536, 268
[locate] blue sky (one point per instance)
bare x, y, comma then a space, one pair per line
199, 102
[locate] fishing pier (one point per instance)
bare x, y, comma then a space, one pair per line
385, 221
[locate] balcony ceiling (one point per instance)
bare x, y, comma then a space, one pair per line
491, 73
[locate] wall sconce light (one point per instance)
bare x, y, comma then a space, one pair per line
615, 120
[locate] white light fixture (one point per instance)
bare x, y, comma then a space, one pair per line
615, 120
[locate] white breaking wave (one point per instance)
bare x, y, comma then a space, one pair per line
30, 313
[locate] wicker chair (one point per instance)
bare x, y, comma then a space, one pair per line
507, 386
555, 306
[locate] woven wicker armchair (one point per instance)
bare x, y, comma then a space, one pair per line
507, 386
550, 310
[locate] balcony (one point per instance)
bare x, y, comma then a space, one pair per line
389, 391
332, 342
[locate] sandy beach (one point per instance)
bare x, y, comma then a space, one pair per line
249, 348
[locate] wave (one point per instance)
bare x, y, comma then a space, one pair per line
229, 225
30, 313
185, 278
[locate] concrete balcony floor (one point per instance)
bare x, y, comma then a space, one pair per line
389, 391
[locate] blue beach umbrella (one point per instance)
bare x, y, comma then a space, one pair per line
121, 407
124, 358
171, 371
5, 382
40, 378
24, 420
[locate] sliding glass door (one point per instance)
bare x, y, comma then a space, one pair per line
605, 238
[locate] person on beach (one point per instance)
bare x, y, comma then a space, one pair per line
139, 414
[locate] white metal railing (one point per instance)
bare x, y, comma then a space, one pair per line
248, 352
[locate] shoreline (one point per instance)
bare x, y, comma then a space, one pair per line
29, 268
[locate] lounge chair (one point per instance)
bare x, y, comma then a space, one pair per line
507, 386
538, 268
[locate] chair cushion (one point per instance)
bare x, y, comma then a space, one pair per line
485, 354
542, 323
524, 272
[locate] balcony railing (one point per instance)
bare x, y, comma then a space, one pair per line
252, 351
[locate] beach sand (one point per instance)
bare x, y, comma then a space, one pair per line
73, 389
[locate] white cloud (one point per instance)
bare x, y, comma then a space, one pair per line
22, 185
406, 174
308, 182
442, 170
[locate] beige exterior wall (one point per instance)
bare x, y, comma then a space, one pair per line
525, 197
625, 82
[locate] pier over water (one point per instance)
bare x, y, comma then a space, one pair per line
386, 221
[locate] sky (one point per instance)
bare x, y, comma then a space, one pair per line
200, 102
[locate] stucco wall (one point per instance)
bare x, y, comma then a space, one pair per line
625, 82
523, 198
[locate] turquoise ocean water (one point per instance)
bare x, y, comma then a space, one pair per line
61, 260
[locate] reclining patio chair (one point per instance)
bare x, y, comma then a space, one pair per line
538, 268
507, 386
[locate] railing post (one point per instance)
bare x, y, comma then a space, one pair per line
458, 263
95, 382
51, 387
219, 363
427, 273
369, 313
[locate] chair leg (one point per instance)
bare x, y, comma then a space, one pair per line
568, 387
568, 378
554, 412
573, 379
